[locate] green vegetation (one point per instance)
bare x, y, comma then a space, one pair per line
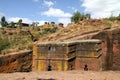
13, 39
3, 31
20, 23
88, 16
50, 30
113, 18
4, 43
77, 16
3, 22
12, 25
37, 28
108, 24
21, 38
15, 42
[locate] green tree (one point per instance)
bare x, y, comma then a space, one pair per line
3, 22
77, 16
88, 16
20, 23
36, 23
118, 17
113, 18
33, 24
12, 24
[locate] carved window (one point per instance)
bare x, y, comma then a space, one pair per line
49, 48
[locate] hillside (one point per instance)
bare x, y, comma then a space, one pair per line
15, 39
82, 28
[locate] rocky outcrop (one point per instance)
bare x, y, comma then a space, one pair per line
110, 37
110, 46
16, 62
80, 28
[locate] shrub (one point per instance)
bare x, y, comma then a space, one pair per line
10, 33
24, 32
3, 31
50, 30
113, 18
108, 24
4, 43
36, 28
2, 28
77, 16
54, 29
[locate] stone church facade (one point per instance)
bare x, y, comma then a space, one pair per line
68, 55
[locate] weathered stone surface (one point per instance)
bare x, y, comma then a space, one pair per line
111, 48
92, 63
110, 38
16, 62
67, 55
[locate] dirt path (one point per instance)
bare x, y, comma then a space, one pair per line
62, 75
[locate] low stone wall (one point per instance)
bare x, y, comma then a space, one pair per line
16, 62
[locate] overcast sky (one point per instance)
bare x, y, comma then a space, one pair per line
56, 10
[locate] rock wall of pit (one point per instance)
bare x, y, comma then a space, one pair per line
16, 62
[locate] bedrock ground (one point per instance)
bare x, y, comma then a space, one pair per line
62, 75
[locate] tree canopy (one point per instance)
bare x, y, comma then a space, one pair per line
3, 22
112, 18
20, 23
77, 16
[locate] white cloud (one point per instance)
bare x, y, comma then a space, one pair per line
35, 0
73, 8
15, 19
65, 21
60, 15
48, 3
102, 8
54, 12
